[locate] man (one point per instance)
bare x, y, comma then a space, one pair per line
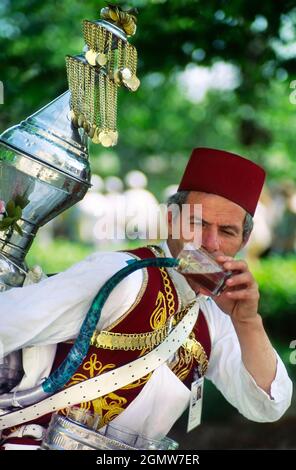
228, 343
224, 216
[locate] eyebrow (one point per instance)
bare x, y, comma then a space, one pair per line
235, 228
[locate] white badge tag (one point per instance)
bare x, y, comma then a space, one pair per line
195, 408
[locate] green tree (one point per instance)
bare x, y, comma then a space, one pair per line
159, 124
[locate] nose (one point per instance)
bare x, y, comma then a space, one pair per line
210, 239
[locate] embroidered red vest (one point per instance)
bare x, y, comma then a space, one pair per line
156, 302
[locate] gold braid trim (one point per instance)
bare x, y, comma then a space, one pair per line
136, 341
163, 302
168, 291
128, 342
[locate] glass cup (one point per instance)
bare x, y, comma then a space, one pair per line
120, 433
199, 266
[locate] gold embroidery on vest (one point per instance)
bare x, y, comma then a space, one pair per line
94, 365
107, 406
111, 405
138, 383
167, 287
197, 352
142, 341
159, 253
181, 366
191, 351
159, 315
163, 303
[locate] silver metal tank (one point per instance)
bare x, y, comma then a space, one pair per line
43, 160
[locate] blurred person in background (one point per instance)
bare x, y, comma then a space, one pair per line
284, 233
141, 207
92, 208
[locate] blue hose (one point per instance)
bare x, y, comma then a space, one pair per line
78, 352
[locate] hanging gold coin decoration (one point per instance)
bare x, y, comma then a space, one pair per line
109, 61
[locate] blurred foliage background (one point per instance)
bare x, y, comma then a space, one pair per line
246, 50
213, 73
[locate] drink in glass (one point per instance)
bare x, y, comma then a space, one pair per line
199, 266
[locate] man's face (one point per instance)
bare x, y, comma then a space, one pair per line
221, 225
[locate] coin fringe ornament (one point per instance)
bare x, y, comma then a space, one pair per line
109, 61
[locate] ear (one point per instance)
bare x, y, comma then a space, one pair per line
244, 242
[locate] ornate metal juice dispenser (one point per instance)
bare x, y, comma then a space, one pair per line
44, 167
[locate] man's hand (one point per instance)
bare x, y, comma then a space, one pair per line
240, 301
241, 296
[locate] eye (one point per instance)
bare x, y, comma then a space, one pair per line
230, 233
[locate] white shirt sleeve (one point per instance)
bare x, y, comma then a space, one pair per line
226, 370
53, 310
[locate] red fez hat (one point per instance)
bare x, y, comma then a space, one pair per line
225, 174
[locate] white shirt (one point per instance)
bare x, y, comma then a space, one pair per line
53, 311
